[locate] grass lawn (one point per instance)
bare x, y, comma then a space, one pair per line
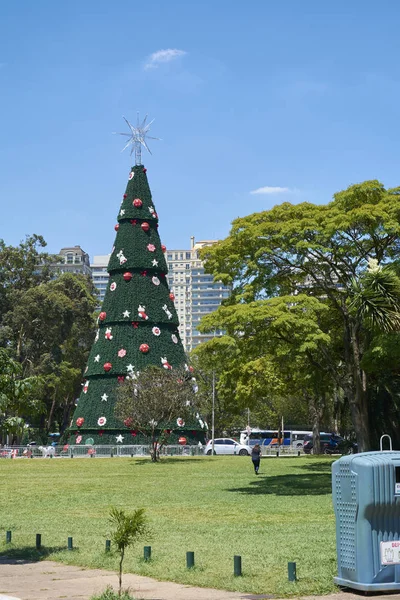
214, 506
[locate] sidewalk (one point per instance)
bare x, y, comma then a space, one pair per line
47, 580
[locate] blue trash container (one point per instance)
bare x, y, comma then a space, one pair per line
366, 500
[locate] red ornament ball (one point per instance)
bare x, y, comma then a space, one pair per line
116, 227
144, 348
191, 369
145, 226
107, 366
163, 248
80, 421
182, 441
171, 296
137, 203
127, 276
102, 316
144, 170
124, 195
128, 422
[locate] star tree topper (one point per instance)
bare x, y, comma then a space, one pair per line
137, 138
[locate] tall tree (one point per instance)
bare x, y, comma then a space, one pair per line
21, 268
279, 354
50, 331
319, 250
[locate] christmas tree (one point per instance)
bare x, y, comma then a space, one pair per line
137, 325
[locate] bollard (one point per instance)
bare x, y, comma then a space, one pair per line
189, 560
292, 571
147, 553
70, 544
8, 537
108, 545
237, 566
38, 541
277, 453
298, 453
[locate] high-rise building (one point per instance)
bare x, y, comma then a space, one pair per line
195, 291
100, 275
73, 260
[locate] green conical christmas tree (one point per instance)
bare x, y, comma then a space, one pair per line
138, 324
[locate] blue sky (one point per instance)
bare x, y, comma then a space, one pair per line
295, 99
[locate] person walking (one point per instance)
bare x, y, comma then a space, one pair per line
255, 457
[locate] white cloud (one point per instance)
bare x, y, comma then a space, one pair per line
163, 56
268, 189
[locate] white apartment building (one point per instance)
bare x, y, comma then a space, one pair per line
100, 275
195, 291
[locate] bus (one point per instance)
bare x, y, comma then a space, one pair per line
272, 437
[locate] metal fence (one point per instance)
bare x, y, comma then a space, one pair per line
78, 451
292, 450
69, 451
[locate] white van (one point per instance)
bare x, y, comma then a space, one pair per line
298, 438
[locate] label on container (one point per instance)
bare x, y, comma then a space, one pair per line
390, 553
397, 488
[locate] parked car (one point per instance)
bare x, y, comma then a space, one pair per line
330, 444
227, 446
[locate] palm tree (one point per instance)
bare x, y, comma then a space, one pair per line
376, 300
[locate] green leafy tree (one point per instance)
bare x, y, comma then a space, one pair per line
21, 268
128, 528
50, 331
216, 366
279, 356
159, 405
319, 250
18, 397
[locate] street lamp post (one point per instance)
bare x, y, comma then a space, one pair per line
213, 413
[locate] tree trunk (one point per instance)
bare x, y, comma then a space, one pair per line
51, 412
69, 405
155, 453
120, 572
359, 398
355, 385
315, 416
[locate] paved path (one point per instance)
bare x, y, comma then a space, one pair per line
47, 580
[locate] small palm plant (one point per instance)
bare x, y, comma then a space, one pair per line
376, 298
128, 529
